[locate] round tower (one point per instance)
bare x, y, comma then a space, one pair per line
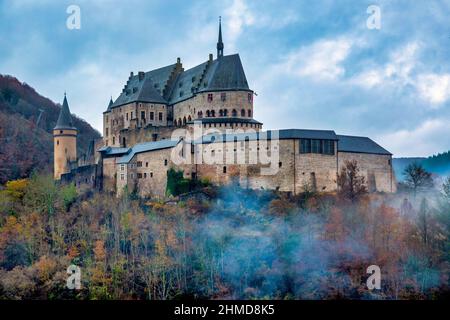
64, 141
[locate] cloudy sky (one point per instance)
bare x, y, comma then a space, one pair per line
314, 64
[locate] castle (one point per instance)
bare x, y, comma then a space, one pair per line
200, 121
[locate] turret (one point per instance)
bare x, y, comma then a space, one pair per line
64, 141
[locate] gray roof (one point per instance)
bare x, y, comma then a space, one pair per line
225, 120
360, 145
65, 119
271, 134
225, 73
109, 151
147, 146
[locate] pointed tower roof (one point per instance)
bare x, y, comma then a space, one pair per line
219, 41
65, 119
111, 102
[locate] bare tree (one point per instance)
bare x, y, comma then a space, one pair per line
351, 184
416, 177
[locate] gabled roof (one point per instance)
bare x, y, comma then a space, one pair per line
64, 119
147, 146
225, 73
360, 145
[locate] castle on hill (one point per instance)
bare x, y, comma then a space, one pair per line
201, 121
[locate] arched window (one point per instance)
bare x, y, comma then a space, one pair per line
200, 114
213, 113
242, 113
220, 113
249, 113
234, 113
207, 113
184, 121
124, 142
189, 119
225, 112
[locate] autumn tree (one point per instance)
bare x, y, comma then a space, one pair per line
351, 184
416, 177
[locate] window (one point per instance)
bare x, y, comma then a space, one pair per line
213, 113
106, 131
122, 167
210, 97
146, 164
250, 97
143, 115
224, 169
122, 177
280, 164
223, 96
234, 113
317, 146
139, 175
225, 112
389, 162
60, 131
114, 140
165, 162
124, 142
139, 164
305, 146
152, 115
126, 116
131, 115
145, 175
242, 113
57, 142
249, 113
151, 174
160, 116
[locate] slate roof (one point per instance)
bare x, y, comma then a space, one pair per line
147, 146
360, 145
109, 151
225, 73
64, 119
262, 135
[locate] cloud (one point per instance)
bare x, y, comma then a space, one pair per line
238, 15
434, 88
423, 140
321, 60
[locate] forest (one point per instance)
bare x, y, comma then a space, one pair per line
225, 242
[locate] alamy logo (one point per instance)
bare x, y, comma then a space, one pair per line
374, 280
74, 19
373, 22
74, 279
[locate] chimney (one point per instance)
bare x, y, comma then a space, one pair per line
141, 75
178, 60
210, 57
131, 74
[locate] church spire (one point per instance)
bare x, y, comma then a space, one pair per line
219, 42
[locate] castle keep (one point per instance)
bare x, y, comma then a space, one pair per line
200, 121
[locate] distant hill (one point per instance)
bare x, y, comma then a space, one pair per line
438, 164
26, 123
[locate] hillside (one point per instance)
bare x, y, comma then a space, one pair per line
438, 164
26, 123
